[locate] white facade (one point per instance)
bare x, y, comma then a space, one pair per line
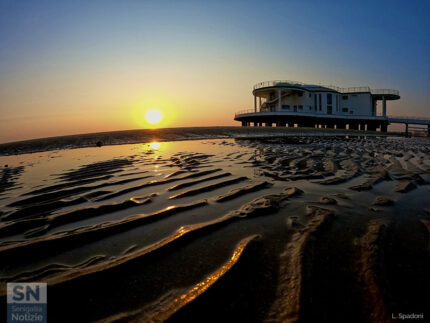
321, 103
321, 100
289, 103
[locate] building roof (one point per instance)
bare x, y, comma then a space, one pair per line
377, 93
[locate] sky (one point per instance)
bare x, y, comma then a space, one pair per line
69, 67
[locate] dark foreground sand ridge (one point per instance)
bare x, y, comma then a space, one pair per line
271, 229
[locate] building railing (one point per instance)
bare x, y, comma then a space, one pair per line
385, 91
407, 117
275, 83
303, 113
333, 87
245, 111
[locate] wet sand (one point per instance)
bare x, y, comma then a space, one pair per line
271, 229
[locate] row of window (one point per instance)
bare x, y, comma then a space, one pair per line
300, 108
318, 103
287, 107
329, 96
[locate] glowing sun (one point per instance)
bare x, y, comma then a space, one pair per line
153, 116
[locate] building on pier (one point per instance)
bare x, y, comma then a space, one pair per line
290, 103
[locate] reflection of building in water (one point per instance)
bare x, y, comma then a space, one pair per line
288, 103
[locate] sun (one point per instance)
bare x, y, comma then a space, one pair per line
153, 116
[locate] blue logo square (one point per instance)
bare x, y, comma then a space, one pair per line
26, 302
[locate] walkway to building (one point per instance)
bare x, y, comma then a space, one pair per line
407, 120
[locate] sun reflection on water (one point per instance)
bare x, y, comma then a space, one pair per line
154, 145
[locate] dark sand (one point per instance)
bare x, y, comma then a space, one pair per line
273, 229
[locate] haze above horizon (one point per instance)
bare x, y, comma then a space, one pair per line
89, 66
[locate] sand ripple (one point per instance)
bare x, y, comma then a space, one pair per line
269, 229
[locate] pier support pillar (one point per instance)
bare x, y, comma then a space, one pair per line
407, 130
243, 123
268, 124
306, 123
428, 130
371, 127
384, 127
353, 126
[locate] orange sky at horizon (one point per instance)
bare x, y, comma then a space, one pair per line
77, 67
119, 114
177, 109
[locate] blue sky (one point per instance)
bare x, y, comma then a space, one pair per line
83, 66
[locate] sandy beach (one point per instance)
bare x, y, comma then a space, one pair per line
277, 229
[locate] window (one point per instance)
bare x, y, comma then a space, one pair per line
300, 93
310, 95
329, 99
285, 107
310, 108
337, 103
320, 101
344, 109
344, 97
300, 107
351, 112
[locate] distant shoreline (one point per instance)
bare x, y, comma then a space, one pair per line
169, 134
